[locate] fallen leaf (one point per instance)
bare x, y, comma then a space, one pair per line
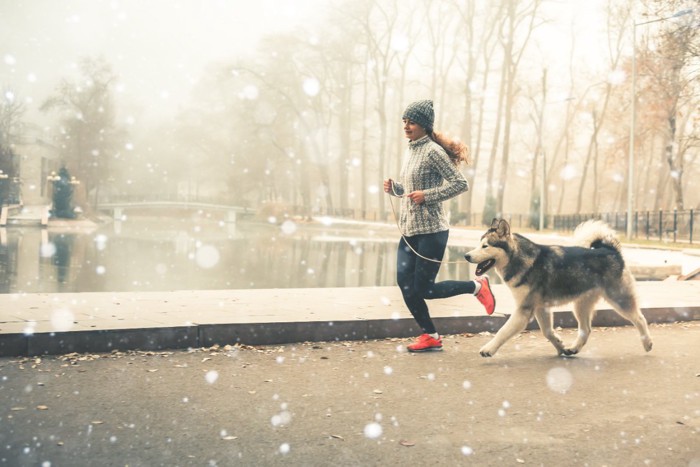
97, 422
404, 442
205, 359
15, 409
42, 407
519, 461
338, 437
228, 438
153, 370
377, 391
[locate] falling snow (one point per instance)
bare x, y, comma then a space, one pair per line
373, 430
211, 376
559, 380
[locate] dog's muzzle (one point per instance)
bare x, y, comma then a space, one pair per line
482, 267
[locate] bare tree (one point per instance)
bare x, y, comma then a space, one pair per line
480, 41
88, 116
599, 113
12, 111
515, 19
668, 90
379, 22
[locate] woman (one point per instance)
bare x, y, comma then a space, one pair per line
429, 176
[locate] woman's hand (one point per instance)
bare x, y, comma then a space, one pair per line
417, 197
387, 185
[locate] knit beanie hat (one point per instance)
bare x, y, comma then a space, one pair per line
421, 112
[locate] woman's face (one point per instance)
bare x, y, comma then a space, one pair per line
412, 130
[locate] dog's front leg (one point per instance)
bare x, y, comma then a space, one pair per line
546, 323
515, 325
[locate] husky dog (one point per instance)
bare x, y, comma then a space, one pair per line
540, 276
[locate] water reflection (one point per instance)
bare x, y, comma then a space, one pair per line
61, 257
147, 254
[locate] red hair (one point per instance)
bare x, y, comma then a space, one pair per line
455, 149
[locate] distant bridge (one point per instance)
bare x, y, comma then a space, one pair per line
117, 208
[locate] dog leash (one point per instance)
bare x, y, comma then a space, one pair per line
396, 219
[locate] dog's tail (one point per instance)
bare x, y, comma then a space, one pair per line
596, 234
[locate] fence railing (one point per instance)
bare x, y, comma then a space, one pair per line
663, 225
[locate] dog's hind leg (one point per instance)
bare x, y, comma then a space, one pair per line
546, 323
515, 325
583, 311
624, 301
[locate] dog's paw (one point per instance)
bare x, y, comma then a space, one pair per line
486, 352
648, 344
568, 352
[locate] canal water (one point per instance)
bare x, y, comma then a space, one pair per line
161, 254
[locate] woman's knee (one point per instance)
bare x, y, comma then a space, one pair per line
423, 290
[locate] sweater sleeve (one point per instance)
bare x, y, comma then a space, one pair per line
454, 182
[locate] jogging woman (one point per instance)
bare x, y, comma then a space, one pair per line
429, 176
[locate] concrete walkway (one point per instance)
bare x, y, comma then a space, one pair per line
37, 324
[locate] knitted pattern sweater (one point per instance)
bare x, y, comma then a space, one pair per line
428, 168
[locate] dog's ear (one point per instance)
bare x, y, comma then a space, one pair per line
494, 223
503, 228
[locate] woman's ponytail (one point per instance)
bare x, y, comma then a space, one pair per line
457, 151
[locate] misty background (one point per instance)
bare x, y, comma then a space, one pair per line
295, 107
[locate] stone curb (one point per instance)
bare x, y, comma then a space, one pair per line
274, 333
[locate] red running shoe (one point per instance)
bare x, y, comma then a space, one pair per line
425, 343
485, 296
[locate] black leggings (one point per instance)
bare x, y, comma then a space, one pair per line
416, 276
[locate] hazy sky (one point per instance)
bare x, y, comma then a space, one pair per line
157, 47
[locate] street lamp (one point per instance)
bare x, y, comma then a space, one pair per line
633, 115
543, 192
544, 157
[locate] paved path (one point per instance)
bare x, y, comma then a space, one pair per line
36, 324
367, 403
